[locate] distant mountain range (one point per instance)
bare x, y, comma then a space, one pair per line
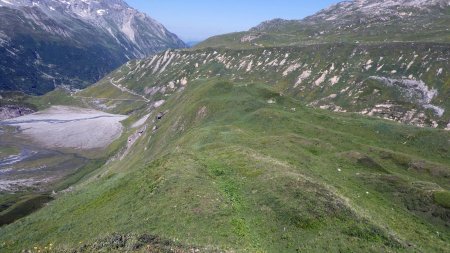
44, 44
192, 43
385, 58
371, 21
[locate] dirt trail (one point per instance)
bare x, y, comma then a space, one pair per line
123, 89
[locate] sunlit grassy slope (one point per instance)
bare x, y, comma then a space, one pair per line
239, 167
430, 26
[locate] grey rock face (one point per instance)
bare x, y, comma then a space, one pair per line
48, 43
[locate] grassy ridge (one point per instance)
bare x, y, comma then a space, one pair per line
419, 27
227, 170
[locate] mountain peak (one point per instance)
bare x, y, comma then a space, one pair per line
401, 2
382, 9
114, 17
386, 9
110, 28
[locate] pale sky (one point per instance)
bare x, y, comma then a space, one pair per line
195, 20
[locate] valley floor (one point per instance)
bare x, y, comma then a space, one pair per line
47, 151
69, 127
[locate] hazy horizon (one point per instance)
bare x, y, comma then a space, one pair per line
199, 19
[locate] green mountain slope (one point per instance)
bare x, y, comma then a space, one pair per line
236, 166
368, 56
227, 147
367, 22
405, 82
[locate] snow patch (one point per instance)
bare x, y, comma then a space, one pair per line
332, 68
302, 77
321, 79
249, 67
334, 80
409, 65
7, 2
291, 69
101, 12
158, 103
183, 81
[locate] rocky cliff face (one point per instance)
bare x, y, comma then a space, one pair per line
44, 44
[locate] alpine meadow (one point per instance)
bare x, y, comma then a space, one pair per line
329, 133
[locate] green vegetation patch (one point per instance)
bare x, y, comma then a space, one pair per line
442, 198
23, 208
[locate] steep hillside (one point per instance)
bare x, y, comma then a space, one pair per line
235, 166
44, 44
405, 82
368, 56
